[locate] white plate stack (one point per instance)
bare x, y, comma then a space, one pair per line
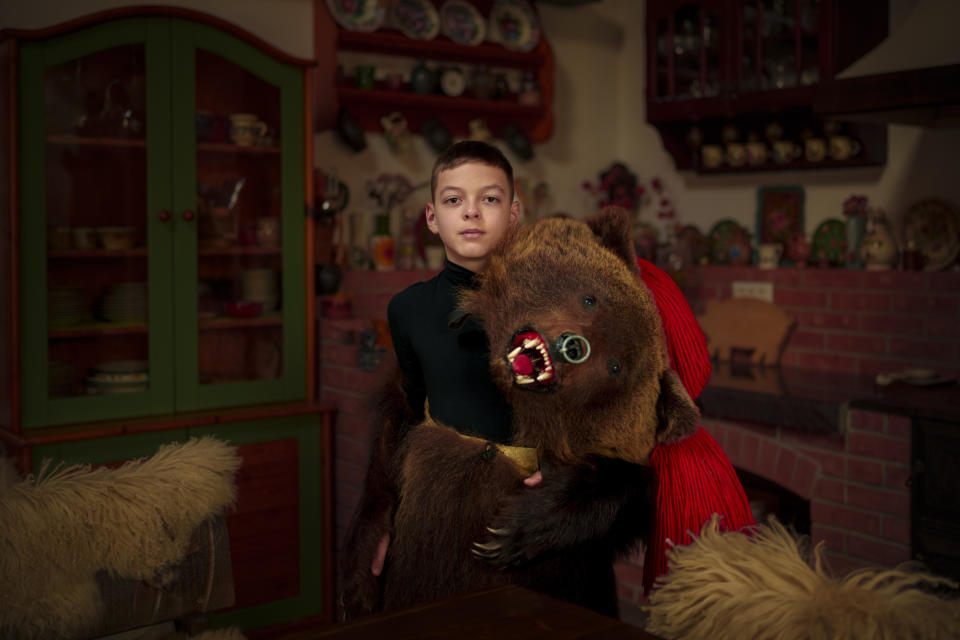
65, 307
260, 285
125, 302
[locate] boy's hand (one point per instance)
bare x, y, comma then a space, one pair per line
533, 480
376, 568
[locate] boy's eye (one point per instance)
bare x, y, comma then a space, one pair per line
452, 200
492, 199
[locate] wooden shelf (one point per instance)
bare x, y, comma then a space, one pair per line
440, 48
239, 252
96, 254
351, 96
271, 320
98, 329
226, 147
85, 141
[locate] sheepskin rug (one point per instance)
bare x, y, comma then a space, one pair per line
58, 529
769, 584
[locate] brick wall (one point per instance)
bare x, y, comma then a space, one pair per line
847, 321
855, 321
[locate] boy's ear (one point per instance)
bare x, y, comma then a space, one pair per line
431, 215
612, 228
514, 211
676, 413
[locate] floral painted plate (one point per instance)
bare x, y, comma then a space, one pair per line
462, 23
514, 24
830, 241
358, 15
415, 18
729, 243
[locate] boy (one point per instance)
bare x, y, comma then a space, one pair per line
471, 209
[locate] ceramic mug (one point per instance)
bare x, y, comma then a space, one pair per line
246, 129
736, 154
815, 149
712, 155
268, 232
843, 147
768, 255
785, 151
756, 153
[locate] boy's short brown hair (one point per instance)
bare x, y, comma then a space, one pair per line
471, 151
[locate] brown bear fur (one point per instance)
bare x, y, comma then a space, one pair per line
437, 493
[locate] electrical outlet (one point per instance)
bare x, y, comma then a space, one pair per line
753, 289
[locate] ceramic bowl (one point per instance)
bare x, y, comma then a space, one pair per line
243, 309
116, 238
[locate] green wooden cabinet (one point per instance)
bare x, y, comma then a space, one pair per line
277, 523
161, 191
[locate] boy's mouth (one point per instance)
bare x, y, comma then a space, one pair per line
529, 360
471, 233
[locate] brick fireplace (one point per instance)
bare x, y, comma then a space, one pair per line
846, 321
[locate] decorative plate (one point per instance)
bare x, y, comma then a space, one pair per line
830, 241
461, 22
358, 15
415, 18
514, 24
728, 243
933, 227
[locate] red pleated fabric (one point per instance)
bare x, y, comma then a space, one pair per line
696, 480
695, 476
685, 340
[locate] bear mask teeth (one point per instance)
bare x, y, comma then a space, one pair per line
530, 361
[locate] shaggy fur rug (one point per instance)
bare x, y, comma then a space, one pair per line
769, 584
58, 529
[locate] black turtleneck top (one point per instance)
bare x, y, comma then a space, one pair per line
450, 367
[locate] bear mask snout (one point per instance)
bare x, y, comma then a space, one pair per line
531, 358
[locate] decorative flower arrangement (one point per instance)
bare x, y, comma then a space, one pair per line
620, 187
617, 186
855, 206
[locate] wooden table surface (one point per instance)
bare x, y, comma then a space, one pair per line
495, 614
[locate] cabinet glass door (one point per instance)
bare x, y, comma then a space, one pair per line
780, 47
92, 296
239, 265
688, 55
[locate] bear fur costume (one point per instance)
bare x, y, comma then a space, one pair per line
766, 583
593, 425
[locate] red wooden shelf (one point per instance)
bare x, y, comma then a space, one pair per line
226, 147
350, 96
240, 251
97, 253
98, 329
440, 48
272, 320
85, 141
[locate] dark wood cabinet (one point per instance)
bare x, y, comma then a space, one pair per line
722, 71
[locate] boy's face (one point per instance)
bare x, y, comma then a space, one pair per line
471, 210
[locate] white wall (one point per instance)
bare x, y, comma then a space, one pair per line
600, 118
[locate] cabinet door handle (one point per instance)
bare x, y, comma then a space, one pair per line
188, 215
164, 215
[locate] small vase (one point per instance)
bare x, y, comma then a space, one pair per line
856, 229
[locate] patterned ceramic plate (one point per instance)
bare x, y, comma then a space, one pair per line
514, 25
830, 241
462, 23
358, 15
933, 226
415, 18
728, 243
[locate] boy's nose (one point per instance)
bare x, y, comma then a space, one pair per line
472, 210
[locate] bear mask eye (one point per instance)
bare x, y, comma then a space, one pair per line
589, 302
613, 367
